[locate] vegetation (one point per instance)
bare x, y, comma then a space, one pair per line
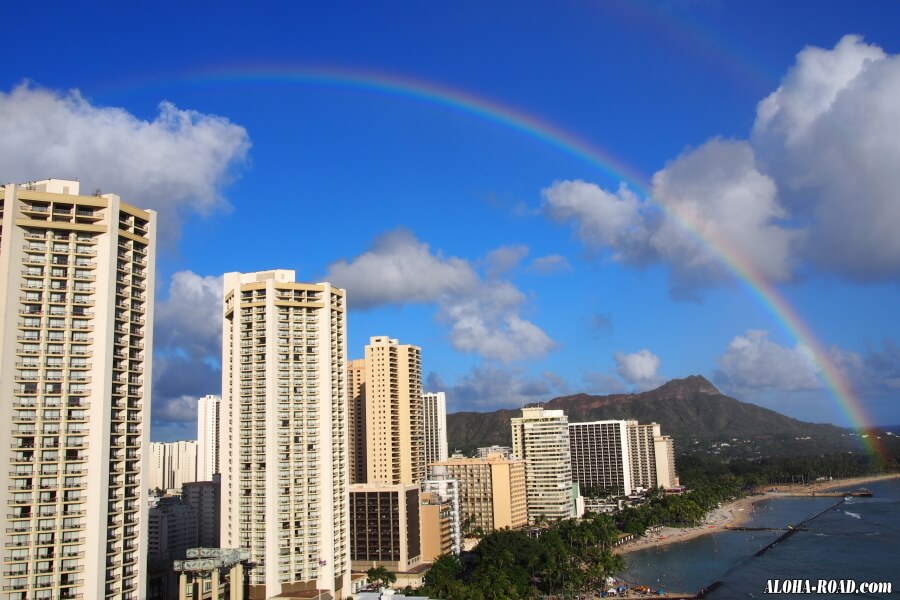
381, 577
568, 557
572, 556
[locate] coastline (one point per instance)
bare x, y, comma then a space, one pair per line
738, 512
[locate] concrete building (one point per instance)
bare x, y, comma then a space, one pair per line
437, 525
205, 499
541, 438
208, 437
76, 299
395, 439
504, 451
600, 458
434, 413
172, 529
283, 433
446, 489
664, 451
491, 491
385, 524
356, 418
172, 464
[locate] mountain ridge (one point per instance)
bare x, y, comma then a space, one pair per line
692, 410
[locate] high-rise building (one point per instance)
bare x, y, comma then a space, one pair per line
208, 437
600, 458
356, 418
283, 433
172, 529
385, 522
395, 440
172, 464
445, 490
664, 450
205, 498
76, 299
434, 412
541, 438
491, 491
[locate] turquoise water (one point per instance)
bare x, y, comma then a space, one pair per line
859, 539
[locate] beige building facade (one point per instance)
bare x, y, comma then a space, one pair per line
283, 444
395, 438
172, 464
76, 295
356, 419
491, 491
541, 438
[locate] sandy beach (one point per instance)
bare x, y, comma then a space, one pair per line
733, 514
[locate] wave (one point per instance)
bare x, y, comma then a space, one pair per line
853, 514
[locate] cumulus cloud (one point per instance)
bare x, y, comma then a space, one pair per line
190, 318
815, 184
720, 193
550, 264
830, 135
601, 219
177, 163
484, 315
638, 368
187, 348
490, 387
504, 259
487, 322
400, 269
752, 362
874, 373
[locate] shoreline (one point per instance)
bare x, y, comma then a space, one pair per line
738, 512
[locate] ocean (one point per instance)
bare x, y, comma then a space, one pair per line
857, 540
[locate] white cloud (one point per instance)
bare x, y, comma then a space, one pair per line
190, 318
602, 219
487, 322
550, 264
399, 269
638, 368
489, 387
718, 191
830, 136
176, 164
816, 183
753, 362
504, 259
483, 315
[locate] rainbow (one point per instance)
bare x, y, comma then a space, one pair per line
531, 126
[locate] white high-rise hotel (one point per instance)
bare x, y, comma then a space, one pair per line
76, 295
284, 460
208, 437
434, 412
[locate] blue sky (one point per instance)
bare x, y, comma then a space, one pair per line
523, 270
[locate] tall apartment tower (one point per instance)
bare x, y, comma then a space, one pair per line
356, 418
541, 438
395, 452
208, 437
434, 412
643, 454
600, 458
664, 448
172, 464
76, 299
283, 431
